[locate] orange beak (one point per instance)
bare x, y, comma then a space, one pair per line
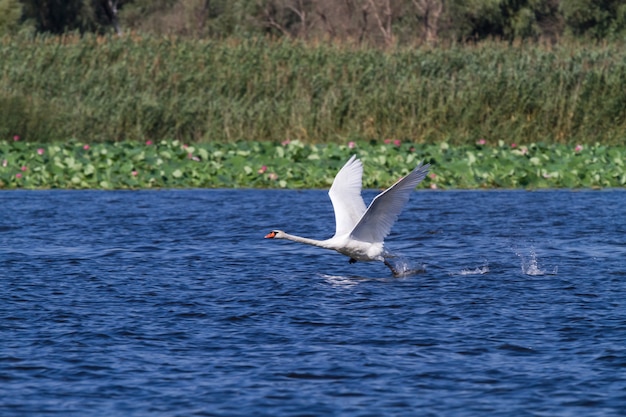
270, 235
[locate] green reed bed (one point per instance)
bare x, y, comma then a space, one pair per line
145, 88
294, 164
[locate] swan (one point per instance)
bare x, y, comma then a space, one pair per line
359, 231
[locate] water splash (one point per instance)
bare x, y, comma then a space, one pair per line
530, 266
405, 269
481, 270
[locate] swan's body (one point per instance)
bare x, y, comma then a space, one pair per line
359, 231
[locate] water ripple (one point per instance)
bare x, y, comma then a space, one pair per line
171, 303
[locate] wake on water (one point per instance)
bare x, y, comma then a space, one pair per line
529, 266
481, 270
403, 267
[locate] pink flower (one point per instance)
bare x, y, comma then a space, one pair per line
433, 186
262, 169
185, 146
273, 176
148, 142
24, 168
387, 141
578, 148
513, 145
16, 138
86, 147
481, 142
134, 173
285, 142
432, 175
397, 142
40, 151
351, 145
18, 175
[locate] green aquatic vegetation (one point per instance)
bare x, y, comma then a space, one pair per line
295, 164
148, 88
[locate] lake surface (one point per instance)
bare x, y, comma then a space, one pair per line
171, 303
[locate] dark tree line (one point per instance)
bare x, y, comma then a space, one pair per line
383, 22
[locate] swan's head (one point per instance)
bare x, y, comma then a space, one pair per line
275, 234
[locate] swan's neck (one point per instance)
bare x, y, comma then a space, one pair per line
307, 241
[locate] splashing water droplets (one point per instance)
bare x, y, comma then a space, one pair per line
476, 271
530, 266
405, 269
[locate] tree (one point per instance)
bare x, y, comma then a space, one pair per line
196, 18
345, 20
381, 10
597, 19
109, 10
10, 15
429, 13
375, 22
58, 16
506, 19
292, 18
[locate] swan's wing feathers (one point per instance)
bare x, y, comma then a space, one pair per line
345, 194
384, 210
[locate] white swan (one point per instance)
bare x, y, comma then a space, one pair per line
360, 232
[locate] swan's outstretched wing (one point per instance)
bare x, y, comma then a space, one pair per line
345, 194
384, 210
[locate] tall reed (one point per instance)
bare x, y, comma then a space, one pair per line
139, 88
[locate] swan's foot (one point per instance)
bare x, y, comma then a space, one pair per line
404, 271
352, 261
394, 271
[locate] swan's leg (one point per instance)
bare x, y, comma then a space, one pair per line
352, 261
394, 271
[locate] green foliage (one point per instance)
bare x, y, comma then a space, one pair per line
194, 18
507, 19
142, 14
350, 21
60, 16
294, 164
27, 116
597, 19
130, 88
10, 15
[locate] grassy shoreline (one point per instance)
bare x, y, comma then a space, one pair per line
148, 88
294, 164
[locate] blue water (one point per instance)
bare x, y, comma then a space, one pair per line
171, 303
